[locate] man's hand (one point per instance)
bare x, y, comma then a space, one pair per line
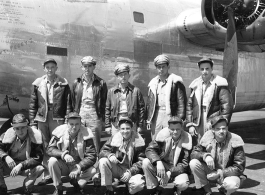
125, 177
213, 176
193, 131
210, 162
113, 159
108, 130
10, 162
139, 130
164, 181
16, 170
69, 159
160, 169
75, 172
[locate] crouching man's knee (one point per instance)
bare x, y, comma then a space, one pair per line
52, 161
194, 163
146, 163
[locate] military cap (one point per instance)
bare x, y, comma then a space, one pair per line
205, 59
217, 119
161, 59
49, 60
120, 68
19, 120
73, 115
175, 119
125, 120
88, 60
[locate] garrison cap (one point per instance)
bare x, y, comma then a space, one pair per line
73, 115
161, 59
175, 119
125, 120
88, 60
216, 119
204, 59
19, 120
120, 68
49, 60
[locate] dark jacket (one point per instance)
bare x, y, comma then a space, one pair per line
160, 148
99, 95
234, 160
176, 98
34, 149
38, 104
135, 105
85, 145
221, 102
135, 151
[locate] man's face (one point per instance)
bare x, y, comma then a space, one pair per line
50, 69
88, 68
220, 131
123, 77
74, 125
125, 130
176, 130
21, 131
162, 70
206, 71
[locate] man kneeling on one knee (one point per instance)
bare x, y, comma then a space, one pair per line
73, 153
219, 158
121, 158
168, 157
21, 153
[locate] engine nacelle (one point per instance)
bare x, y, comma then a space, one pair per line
206, 26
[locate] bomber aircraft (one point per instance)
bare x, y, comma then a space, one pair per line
133, 32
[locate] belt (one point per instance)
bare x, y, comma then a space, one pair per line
50, 107
88, 106
161, 107
122, 115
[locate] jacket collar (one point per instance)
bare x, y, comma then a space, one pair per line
10, 136
42, 81
165, 134
219, 81
117, 140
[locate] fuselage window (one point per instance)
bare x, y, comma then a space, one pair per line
57, 51
138, 17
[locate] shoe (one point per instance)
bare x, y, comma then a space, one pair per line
3, 191
176, 192
45, 181
222, 190
200, 191
108, 192
58, 192
77, 188
27, 191
96, 180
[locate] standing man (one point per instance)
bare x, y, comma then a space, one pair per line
219, 158
72, 152
121, 158
89, 94
21, 153
124, 100
168, 158
166, 97
49, 103
209, 97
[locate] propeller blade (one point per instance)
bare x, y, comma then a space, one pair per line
230, 60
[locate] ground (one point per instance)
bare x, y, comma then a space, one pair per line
249, 125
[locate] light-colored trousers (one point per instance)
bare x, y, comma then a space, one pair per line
159, 121
200, 171
152, 181
58, 168
90, 119
46, 129
109, 171
31, 174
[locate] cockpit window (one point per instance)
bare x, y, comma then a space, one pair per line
57, 51
138, 17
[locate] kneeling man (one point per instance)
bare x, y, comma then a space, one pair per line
121, 158
168, 158
220, 158
21, 153
73, 153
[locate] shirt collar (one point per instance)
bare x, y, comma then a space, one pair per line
129, 87
83, 77
210, 81
55, 80
221, 144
